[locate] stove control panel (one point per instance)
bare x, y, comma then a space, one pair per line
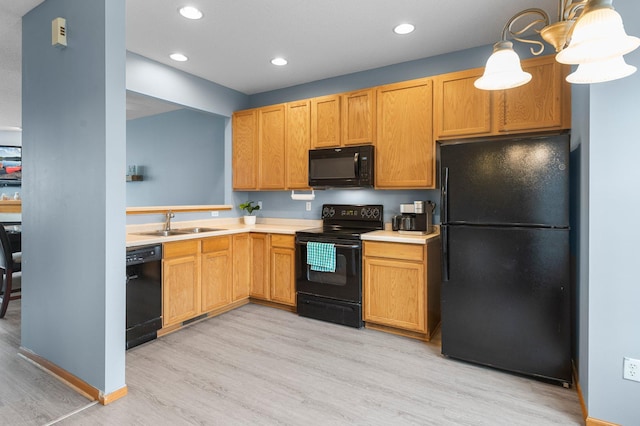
348, 212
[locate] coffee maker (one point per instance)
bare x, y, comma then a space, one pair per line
414, 218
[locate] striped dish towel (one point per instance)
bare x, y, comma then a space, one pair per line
321, 256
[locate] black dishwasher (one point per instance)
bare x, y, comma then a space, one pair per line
144, 294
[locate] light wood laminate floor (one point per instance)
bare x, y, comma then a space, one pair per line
262, 366
29, 395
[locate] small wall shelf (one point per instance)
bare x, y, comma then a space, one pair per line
134, 178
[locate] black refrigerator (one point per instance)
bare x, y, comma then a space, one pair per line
505, 241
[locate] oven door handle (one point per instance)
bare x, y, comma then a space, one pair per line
354, 246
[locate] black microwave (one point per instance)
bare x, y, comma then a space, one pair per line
347, 167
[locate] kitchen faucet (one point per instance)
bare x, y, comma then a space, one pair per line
167, 222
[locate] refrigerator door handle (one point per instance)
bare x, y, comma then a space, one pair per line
444, 201
445, 252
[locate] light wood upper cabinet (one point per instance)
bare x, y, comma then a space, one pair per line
325, 121
216, 267
271, 142
460, 108
241, 266
180, 281
282, 266
260, 266
298, 143
403, 120
405, 150
359, 117
542, 104
245, 149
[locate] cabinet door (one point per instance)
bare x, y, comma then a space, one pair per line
245, 149
180, 281
542, 104
325, 121
298, 119
283, 269
241, 266
394, 293
260, 266
272, 147
405, 151
460, 109
359, 117
216, 273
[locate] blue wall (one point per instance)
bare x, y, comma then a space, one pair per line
74, 114
613, 202
182, 158
279, 203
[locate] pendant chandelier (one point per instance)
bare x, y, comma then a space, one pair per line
589, 33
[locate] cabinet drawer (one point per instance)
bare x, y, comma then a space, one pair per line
180, 248
286, 241
215, 244
395, 250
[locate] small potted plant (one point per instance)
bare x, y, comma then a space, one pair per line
249, 207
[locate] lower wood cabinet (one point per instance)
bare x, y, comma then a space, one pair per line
216, 275
180, 281
241, 266
260, 266
283, 277
200, 276
401, 287
273, 268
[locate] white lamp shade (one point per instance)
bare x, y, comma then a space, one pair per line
503, 69
598, 35
599, 72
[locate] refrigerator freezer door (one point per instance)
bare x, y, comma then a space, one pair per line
506, 302
513, 181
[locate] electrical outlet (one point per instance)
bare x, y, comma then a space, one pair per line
631, 370
260, 204
214, 214
308, 206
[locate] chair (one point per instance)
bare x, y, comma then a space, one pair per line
9, 265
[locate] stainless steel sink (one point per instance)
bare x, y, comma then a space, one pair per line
198, 229
163, 233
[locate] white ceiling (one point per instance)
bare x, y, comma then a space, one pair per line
234, 42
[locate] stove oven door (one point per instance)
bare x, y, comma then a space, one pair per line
344, 284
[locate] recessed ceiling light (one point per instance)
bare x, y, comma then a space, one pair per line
190, 12
404, 29
178, 57
279, 61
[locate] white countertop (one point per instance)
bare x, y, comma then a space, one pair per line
390, 236
264, 225
228, 227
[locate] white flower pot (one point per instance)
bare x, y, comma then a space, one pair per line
249, 220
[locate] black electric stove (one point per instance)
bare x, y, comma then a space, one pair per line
336, 296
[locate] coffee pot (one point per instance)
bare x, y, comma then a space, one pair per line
416, 217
